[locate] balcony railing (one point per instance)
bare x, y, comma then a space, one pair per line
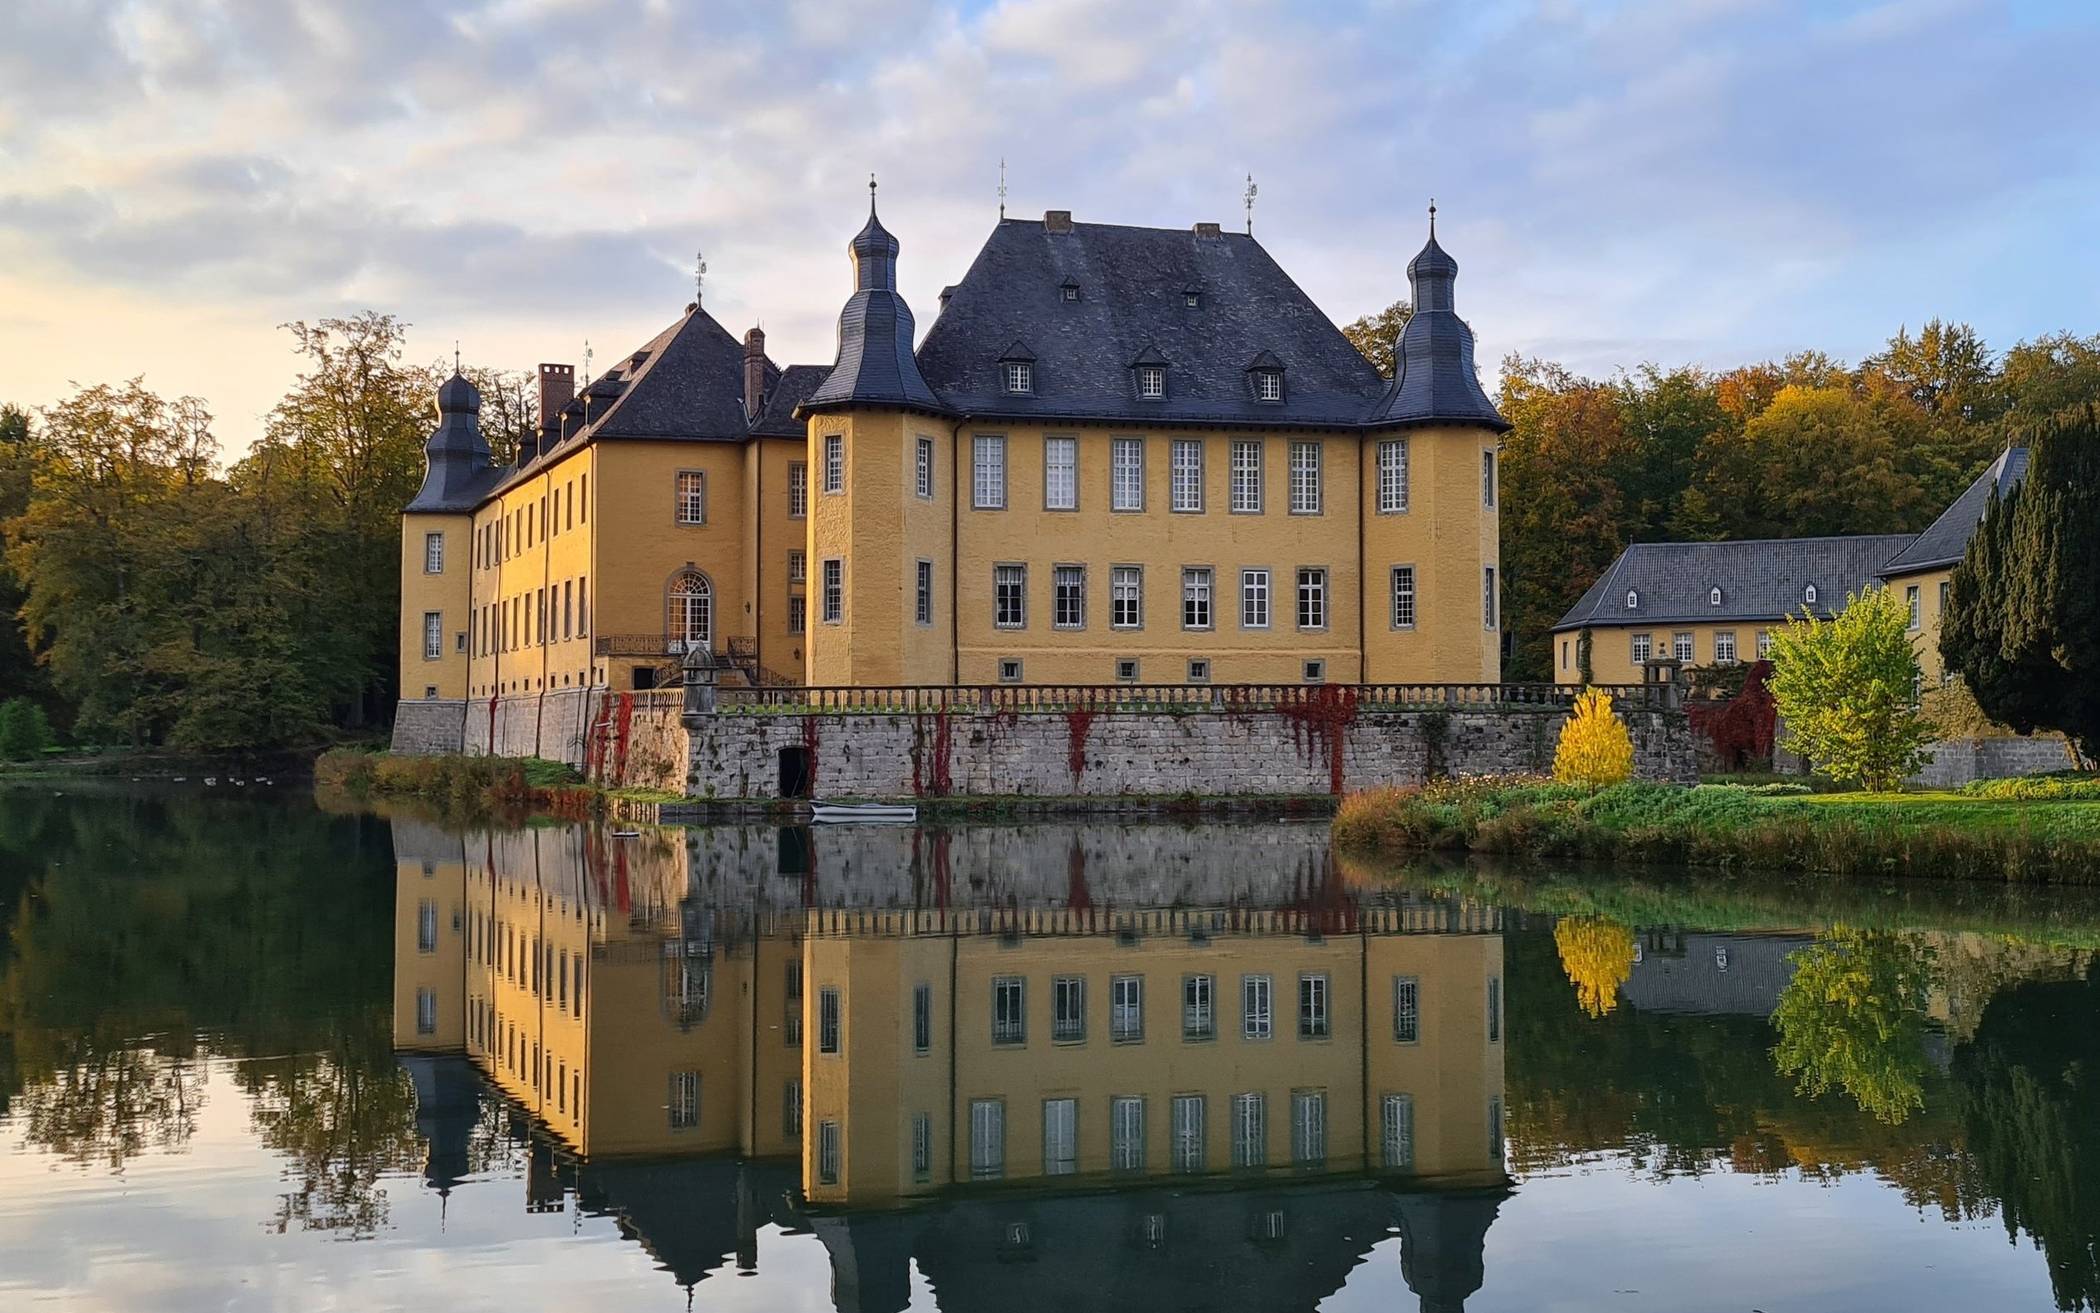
999, 699
638, 645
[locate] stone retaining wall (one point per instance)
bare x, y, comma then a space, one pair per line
1955, 762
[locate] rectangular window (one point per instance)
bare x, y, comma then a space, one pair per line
1195, 598
1488, 599
1197, 1019
568, 608
1126, 596
922, 469
1396, 1116
1187, 487
1010, 671
1126, 1133
434, 554
828, 1020
1268, 385
791, 1004
1188, 1133
1724, 647
1312, 599
834, 462
1199, 672
827, 1153
1020, 377
1944, 587
987, 1139
1313, 1003
791, 1108
1407, 1009
921, 1147
1060, 474
692, 497
685, 1100
1152, 382
1392, 476
1255, 1007
798, 567
1403, 597
433, 635
1681, 647
922, 1018
1250, 1130
1010, 596
1254, 599
1764, 644
1487, 479
988, 473
1068, 1008
1126, 1009
1494, 1001
1009, 1010
1060, 1137
1495, 1128
922, 600
1068, 597
1246, 477
1305, 478
798, 489
1126, 484
426, 1012
1641, 645
426, 926
834, 591
1913, 599
798, 615
583, 607
1308, 1128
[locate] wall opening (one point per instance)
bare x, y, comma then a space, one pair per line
795, 773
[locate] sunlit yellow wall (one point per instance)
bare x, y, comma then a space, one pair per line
1925, 637
436, 880
562, 554
1611, 652
641, 545
1449, 535
865, 525
771, 536
1455, 1070
445, 593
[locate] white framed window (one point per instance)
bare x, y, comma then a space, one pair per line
1403, 597
798, 567
1633, 599
1060, 1137
1315, 1000
1764, 644
1009, 1010
685, 1100
433, 635
1308, 1128
827, 1153
1913, 599
1126, 1133
1808, 595
1256, 1007
834, 462
798, 614
1724, 647
1495, 1128
922, 601
1198, 1019
1010, 596
1126, 597
1067, 1009
1060, 474
1392, 476
1713, 596
798, 489
1254, 599
987, 1139
988, 472
1490, 600
1126, 480
1195, 600
1305, 478
834, 590
1246, 478
921, 1147
434, 554
426, 1011
1641, 648
1126, 1009
426, 926
1187, 490
1487, 479
1020, 377
828, 1020
1396, 1117
1152, 382
922, 469
1268, 385
1250, 1130
1681, 647
691, 497
1068, 597
1312, 598
1188, 1132
1407, 1009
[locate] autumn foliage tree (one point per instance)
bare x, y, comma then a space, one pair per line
1847, 690
1595, 750
1597, 954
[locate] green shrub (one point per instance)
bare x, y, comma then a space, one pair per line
2061, 786
25, 732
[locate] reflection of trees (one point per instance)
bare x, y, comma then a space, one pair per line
2030, 1085
1853, 1018
107, 1102
341, 1126
1597, 954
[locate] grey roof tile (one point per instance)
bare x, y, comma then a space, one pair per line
1435, 379
875, 364
789, 391
1761, 579
1947, 538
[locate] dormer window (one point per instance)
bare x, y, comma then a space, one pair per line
1020, 377
1068, 290
1192, 298
1808, 595
1268, 385
1713, 598
1152, 382
1633, 599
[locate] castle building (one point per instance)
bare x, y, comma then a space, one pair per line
1119, 454
1720, 602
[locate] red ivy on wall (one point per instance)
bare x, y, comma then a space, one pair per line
1741, 729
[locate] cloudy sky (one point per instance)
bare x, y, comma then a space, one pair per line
1675, 180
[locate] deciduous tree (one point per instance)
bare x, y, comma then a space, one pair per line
1377, 336
1846, 689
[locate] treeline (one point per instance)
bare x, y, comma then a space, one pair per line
162, 599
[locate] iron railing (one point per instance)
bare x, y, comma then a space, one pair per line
999, 699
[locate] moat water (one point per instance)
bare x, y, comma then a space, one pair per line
260, 1054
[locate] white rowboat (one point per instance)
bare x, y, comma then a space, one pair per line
835, 813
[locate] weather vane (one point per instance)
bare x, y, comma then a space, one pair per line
586, 362
699, 275
1248, 196
1002, 186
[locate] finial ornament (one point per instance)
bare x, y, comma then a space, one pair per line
871, 195
455, 355
1002, 186
699, 275
1432, 216
1248, 196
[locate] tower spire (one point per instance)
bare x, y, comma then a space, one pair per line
1248, 196
1432, 218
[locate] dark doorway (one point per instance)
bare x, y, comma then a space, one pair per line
644, 677
797, 850
794, 773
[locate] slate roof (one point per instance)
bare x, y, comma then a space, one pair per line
788, 391
1947, 538
456, 468
1133, 298
875, 365
1434, 378
1760, 579
686, 383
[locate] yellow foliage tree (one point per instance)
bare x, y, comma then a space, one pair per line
1597, 954
1595, 750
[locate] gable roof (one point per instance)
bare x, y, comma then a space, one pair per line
1760, 579
1946, 539
687, 382
789, 390
1134, 300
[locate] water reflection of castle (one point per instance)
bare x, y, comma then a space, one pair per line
1186, 1067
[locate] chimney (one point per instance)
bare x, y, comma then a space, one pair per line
1208, 230
1057, 221
557, 386
947, 292
754, 372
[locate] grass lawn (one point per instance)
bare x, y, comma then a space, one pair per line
1933, 807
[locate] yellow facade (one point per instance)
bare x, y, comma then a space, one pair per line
1613, 647
1926, 596
435, 610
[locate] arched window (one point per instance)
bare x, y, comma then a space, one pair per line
1714, 598
1808, 595
690, 618
1633, 599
